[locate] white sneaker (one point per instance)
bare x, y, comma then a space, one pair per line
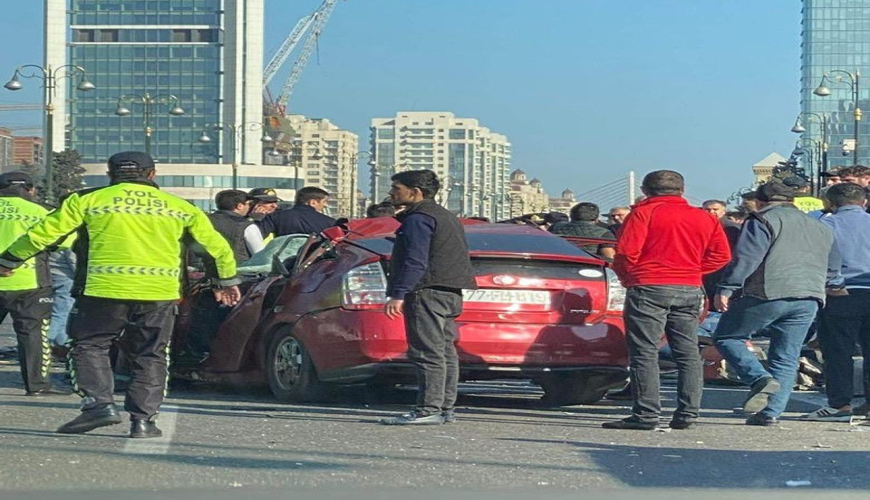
828, 414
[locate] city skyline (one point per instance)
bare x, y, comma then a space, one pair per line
604, 97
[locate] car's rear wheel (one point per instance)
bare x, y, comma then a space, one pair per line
566, 389
291, 373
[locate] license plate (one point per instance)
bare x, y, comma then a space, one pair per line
532, 297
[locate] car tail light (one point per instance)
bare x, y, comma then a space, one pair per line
615, 292
364, 287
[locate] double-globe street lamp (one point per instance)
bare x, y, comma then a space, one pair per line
236, 131
49, 77
148, 101
354, 159
822, 143
854, 79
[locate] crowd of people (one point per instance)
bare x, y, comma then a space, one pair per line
773, 266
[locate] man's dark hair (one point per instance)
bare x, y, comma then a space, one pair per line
308, 194
585, 211
663, 183
230, 199
712, 202
424, 180
749, 195
737, 214
380, 210
846, 193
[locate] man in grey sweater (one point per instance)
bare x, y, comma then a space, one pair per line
781, 263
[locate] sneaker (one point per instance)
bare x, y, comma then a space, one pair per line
680, 424
449, 416
414, 418
759, 394
633, 423
828, 414
762, 420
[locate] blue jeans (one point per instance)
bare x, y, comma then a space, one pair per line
787, 320
62, 267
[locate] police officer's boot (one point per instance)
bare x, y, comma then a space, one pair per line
144, 429
91, 419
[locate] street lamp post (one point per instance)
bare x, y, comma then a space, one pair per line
799, 128
49, 79
148, 101
354, 158
854, 79
236, 131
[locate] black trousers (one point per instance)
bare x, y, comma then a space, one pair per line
143, 329
31, 318
845, 322
651, 311
432, 336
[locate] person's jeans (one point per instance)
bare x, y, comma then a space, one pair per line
432, 336
845, 322
674, 311
787, 320
62, 267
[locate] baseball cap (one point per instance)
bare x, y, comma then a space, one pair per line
775, 191
130, 160
15, 178
796, 182
264, 194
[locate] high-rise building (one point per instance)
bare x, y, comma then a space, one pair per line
836, 41
27, 150
472, 161
149, 56
326, 157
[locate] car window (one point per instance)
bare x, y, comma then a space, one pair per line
285, 247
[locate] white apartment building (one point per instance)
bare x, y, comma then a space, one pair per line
472, 161
326, 156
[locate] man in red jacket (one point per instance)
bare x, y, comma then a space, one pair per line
665, 247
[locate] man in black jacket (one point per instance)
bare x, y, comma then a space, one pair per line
430, 268
306, 217
231, 221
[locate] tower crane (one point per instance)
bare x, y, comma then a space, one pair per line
312, 25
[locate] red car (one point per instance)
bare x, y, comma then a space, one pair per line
545, 310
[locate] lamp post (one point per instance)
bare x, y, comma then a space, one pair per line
148, 101
354, 159
49, 77
799, 128
854, 79
236, 131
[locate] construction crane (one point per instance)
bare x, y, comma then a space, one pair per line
26, 106
312, 24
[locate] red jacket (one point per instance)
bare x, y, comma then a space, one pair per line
664, 241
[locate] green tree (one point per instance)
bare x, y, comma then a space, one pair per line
67, 169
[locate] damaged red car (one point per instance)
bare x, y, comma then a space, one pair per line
312, 316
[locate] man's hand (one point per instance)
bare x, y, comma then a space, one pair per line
393, 308
228, 295
721, 302
260, 209
836, 292
6, 272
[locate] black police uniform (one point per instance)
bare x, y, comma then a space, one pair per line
301, 219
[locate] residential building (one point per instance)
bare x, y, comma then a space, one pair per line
325, 156
835, 39
27, 150
526, 196
763, 169
472, 161
564, 202
6, 148
204, 56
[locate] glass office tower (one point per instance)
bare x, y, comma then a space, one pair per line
835, 36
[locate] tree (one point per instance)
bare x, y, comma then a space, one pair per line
67, 170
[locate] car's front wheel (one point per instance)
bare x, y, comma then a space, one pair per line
566, 389
290, 371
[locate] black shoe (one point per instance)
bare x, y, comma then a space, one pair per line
89, 420
759, 394
50, 391
414, 418
449, 416
631, 422
141, 429
762, 420
682, 423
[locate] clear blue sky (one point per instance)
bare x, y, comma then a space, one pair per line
584, 89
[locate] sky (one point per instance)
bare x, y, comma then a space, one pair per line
585, 90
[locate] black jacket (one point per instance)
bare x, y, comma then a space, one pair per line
300, 219
232, 227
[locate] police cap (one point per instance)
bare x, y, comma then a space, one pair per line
130, 160
16, 178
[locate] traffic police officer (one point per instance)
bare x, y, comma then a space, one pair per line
26, 295
130, 246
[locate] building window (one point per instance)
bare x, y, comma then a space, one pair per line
83, 36
386, 133
181, 35
457, 133
108, 35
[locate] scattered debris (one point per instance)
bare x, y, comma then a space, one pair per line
820, 445
662, 429
797, 483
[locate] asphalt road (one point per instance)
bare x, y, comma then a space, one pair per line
222, 441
